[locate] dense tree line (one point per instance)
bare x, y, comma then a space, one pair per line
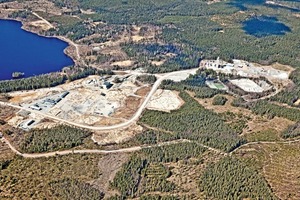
84, 72
4, 164
292, 131
74, 189
219, 100
148, 79
20, 14
158, 197
52, 139
154, 178
36, 82
154, 137
49, 80
271, 110
174, 152
229, 178
194, 122
175, 57
128, 178
292, 93
200, 90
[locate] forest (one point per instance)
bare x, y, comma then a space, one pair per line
144, 172
292, 93
231, 179
174, 57
61, 177
50, 80
212, 29
195, 83
271, 110
74, 189
219, 100
194, 122
53, 139
292, 131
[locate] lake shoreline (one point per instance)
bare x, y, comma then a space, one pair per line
67, 51
66, 48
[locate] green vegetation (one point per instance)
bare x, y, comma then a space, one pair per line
49, 80
237, 122
157, 197
268, 135
174, 152
215, 29
40, 178
53, 139
154, 179
149, 79
292, 93
154, 137
73, 189
194, 83
174, 57
144, 172
271, 110
128, 178
194, 122
4, 164
292, 131
231, 179
22, 14
219, 100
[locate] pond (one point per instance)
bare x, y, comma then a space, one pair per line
29, 53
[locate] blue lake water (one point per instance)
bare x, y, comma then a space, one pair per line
22, 51
265, 26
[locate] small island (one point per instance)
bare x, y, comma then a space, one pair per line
16, 75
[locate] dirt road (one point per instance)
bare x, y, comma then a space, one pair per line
89, 151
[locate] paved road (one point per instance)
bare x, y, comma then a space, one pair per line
134, 118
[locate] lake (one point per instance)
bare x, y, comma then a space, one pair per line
22, 51
264, 26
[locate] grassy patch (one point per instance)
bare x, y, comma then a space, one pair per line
266, 135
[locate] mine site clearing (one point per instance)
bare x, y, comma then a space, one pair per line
251, 74
89, 101
93, 101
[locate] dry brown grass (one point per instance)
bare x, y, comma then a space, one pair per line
186, 174
279, 164
143, 91
129, 108
257, 126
